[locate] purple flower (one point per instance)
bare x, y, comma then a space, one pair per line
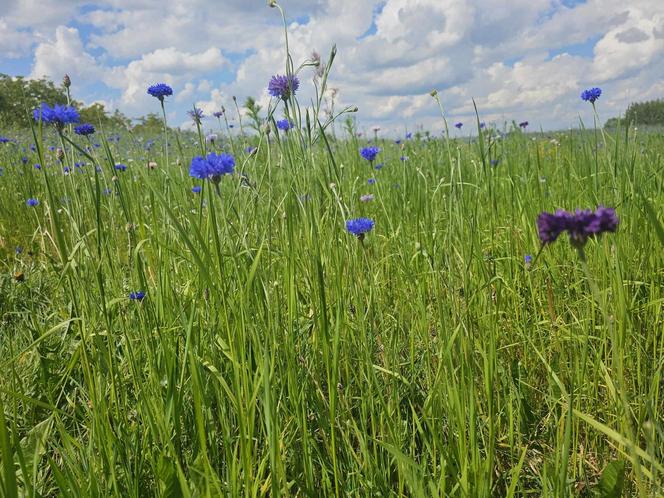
458, 125
369, 153
218, 114
160, 90
409, 135
284, 124
196, 115
371, 181
359, 226
137, 296
283, 86
84, 130
212, 167
591, 94
550, 226
367, 197
58, 115
523, 124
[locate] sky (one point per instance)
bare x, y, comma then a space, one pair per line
521, 60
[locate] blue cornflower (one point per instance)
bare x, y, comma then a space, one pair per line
359, 226
196, 115
196, 189
284, 124
212, 167
409, 135
458, 125
24, 160
4, 140
591, 94
160, 90
37, 166
65, 170
528, 259
32, 202
494, 162
403, 158
523, 124
397, 141
218, 114
482, 125
84, 129
121, 167
371, 181
137, 296
379, 166
58, 115
107, 191
369, 153
580, 225
283, 86
19, 249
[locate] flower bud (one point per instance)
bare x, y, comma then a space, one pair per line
66, 81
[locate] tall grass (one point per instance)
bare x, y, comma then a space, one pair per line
275, 354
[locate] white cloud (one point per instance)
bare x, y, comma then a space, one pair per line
518, 59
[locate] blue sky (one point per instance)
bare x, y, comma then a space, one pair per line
522, 60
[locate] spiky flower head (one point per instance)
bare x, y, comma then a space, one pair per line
58, 115
359, 226
369, 153
283, 86
196, 115
160, 90
591, 94
84, 129
212, 167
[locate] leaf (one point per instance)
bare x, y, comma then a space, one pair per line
612, 481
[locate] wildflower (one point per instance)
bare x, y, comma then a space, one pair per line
284, 124
24, 160
403, 158
528, 259
250, 150
196, 115
369, 153
196, 189
523, 124
121, 167
84, 129
409, 135
4, 140
591, 94
160, 90
580, 225
367, 197
359, 226
482, 125
19, 249
32, 202
107, 191
137, 296
397, 141
212, 167
371, 181
218, 114
66, 81
211, 138
151, 165
458, 125
58, 115
283, 86
37, 166
494, 162
379, 166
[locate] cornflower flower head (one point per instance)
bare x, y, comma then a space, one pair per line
359, 226
84, 130
212, 167
458, 125
591, 94
523, 124
196, 115
580, 225
284, 124
58, 115
160, 90
137, 295
32, 202
369, 153
283, 86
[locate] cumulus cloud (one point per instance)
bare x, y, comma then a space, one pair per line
524, 59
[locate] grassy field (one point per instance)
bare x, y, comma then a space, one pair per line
239, 341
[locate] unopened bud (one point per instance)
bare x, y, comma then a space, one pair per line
272, 3
66, 81
433, 93
60, 154
266, 128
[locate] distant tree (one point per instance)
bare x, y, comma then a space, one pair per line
18, 97
96, 114
151, 124
650, 113
253, 109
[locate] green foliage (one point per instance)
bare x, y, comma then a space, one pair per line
96, 114
650, 113
612, 481
19, 96
149, 125
253, 109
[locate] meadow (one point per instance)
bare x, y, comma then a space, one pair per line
163, 334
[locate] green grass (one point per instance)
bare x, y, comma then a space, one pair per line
275, 354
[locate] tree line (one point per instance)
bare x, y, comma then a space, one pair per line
649, 113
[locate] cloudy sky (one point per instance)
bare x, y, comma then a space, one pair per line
519, 59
